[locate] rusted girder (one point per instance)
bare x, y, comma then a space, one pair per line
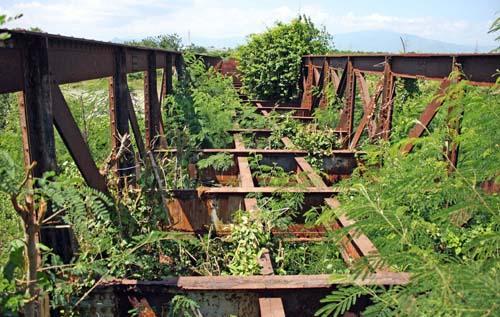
479, 69
75, 59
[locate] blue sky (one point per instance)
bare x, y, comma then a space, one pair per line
224, 21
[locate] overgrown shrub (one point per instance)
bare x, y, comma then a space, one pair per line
270, 61
436, 224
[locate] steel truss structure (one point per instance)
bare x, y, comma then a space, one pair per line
35, 64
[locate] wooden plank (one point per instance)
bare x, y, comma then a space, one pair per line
287, 142
272, 282
250, 204
271, 307
239, 144
361, 241
266, 152
246, 152
315, 179
239, 130
266, 190
246, 179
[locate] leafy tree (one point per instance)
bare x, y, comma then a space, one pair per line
164, 41
270, 61
4, 19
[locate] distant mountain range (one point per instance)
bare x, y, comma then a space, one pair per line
366, 41
386, 41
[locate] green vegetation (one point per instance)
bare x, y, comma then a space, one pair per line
495, 28
440, 226
270, 61
166, 41
429, 219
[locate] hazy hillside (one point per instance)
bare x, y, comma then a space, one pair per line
385, 41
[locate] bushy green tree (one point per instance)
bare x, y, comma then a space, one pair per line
270, 61
164, 41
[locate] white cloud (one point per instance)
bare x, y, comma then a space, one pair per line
216, 19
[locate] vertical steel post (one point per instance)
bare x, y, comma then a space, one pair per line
346, 121
325, 84
179, 67
118, 101
35, 107
151, 104
307, 97
166, 82
384, 123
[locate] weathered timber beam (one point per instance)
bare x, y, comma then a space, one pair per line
245, 174
356, 245
266, 190
271, 307
265, 152
263, 283
72, 138
246, 152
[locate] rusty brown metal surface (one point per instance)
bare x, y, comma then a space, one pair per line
119, 117
478, 68
36, 114
308, 77
427, 116
69, 59
75, 59
384, 118
348, 91
151, 104
271, 307
72, 138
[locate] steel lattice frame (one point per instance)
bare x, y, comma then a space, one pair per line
37, 63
